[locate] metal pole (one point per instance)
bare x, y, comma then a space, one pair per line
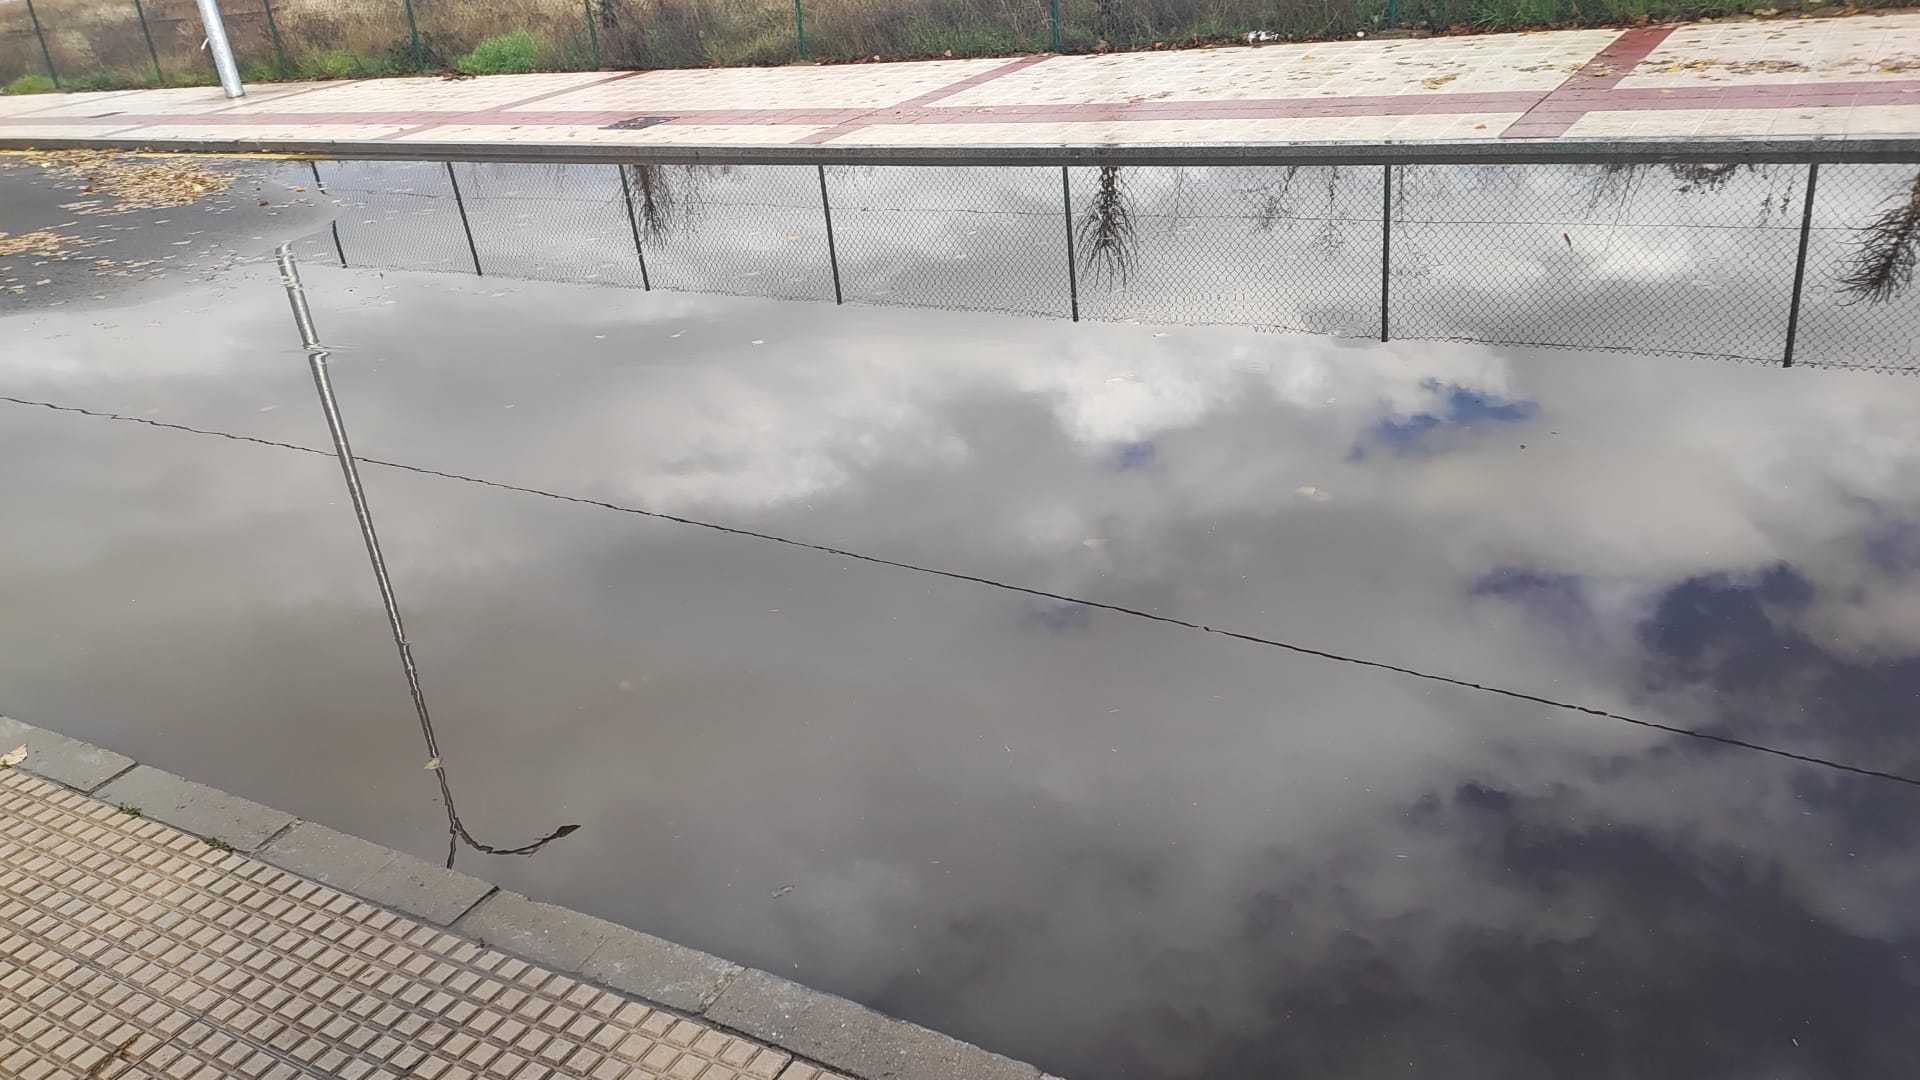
152, 54
1393, 13
321, 186
273, 28
1055, 12
1800, 264
626, 190
593, 33
826, 210
42, 35
800, 26
413, 28
1073, 271
468, 229
218, 46
1386, 244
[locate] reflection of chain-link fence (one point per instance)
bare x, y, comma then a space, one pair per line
951, 238
1644, 257
1690, 259
1294, 247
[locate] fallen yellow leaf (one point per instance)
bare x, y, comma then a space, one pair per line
433, 764
13, 757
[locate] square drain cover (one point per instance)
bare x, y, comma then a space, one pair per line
633, 122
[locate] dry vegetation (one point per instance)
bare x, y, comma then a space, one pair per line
98, 43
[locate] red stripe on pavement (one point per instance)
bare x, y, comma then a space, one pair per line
929, 97
1556, 113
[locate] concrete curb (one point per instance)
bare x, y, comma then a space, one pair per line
1807, 149
821, 1031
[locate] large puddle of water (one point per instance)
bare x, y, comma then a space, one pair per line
1139, 699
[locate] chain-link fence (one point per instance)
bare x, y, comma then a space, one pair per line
102, 44
1677, 259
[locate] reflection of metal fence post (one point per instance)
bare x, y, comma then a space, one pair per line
1054, 17
626, 191
273, 28
321, 186
152, 54
593, 32
1073, 270
1800, 264
800, 28
1386, 243
413, 28
45, 54
826, 211
464, 226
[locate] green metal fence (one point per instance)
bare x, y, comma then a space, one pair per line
100, 44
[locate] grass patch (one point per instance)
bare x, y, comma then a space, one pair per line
506, 54
30, 84
131, 811
217, 844
345, 64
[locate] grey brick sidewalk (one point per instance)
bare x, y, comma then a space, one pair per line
131, 949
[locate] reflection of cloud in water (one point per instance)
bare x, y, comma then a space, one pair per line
1120, 848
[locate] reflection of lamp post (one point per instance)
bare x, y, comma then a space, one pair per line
217, 44
323, 385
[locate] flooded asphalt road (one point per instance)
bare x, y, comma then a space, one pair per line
1109, 844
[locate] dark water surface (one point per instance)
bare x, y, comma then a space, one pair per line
1110, 845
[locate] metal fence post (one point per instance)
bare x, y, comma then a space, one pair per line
1386, 244
1073, 269
1393, 14
464, 226
45, 54
273, 28
626, 191
413, 28
593, 32
1800, 264
800, 27
1054, 17
826, 210
152, 54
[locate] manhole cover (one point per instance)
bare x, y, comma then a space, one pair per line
634, 122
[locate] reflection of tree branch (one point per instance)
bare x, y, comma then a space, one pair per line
1885, 251
665, 196
1107, 241
1694, 177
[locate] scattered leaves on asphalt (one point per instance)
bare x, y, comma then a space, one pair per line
130, 182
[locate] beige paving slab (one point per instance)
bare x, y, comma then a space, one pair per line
840, 86
130, 949
1478, 64
685, 135
1861, 48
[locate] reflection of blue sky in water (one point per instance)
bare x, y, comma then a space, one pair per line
1453, 407
1113, 847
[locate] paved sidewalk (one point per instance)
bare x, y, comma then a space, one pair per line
1847, 76
229, 939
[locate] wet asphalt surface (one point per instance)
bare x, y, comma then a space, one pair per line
1108, 843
